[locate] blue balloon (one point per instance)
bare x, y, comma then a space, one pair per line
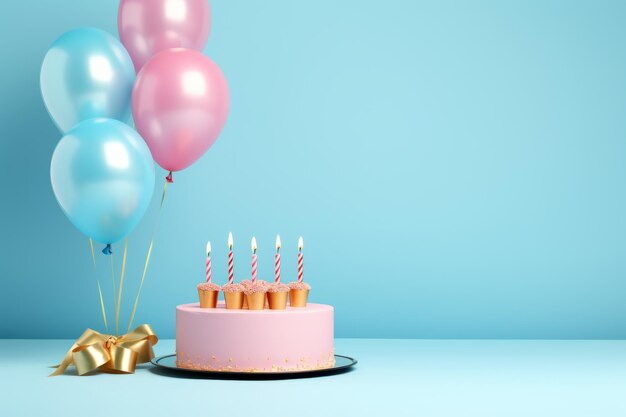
87, 73
102, 175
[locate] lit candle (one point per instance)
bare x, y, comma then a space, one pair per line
231, 268
253, 244
300, 260
277, 261
208, 261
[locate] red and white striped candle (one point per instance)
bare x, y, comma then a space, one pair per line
231, 268
208, 261
300, 260
277, 261
254, 261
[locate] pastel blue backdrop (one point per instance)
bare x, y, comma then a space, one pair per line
456, 169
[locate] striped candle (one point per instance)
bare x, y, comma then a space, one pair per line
300, 260
231, 268
208, 261
277, 261
254, 260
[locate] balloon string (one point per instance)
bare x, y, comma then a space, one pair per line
104, 313
113, 282
145, 266
119, 294
93, 255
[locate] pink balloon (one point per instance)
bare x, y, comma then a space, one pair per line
147, 27
180, 105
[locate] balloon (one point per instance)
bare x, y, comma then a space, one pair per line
147, 27
86, 73
180, 105
103, 178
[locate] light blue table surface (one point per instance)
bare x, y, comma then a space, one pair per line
393, 377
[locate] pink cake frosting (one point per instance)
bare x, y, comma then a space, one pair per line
299, 285
254, 341
209, 286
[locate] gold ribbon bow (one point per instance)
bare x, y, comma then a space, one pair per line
108, 353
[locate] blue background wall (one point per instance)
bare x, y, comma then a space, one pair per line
456, 169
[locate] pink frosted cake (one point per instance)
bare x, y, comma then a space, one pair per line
217, 339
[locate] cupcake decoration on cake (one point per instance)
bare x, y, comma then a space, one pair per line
277, 294
247, 283
299, 290
254, 293
233, 296
208, 291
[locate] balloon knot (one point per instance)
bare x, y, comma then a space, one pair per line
107, 249
169, 178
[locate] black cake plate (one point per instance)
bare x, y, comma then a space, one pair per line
166, 365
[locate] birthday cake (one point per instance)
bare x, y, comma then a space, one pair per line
259, 327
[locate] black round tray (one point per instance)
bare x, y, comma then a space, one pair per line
166, 365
